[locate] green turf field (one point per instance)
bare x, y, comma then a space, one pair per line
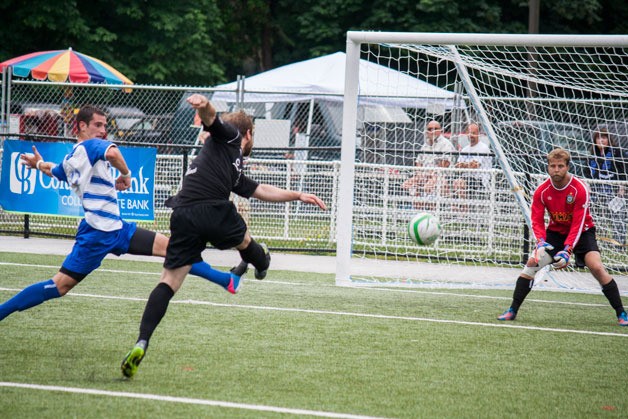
295, 345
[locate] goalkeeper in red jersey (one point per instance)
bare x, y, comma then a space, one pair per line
570, 231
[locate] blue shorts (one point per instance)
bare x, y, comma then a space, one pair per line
91, 247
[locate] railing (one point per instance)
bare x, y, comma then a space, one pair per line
485, 226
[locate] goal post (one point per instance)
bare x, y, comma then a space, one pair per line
528, 94
347, 165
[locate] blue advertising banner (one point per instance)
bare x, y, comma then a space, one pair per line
30, 191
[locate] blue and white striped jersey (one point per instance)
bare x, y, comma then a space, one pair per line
87, 172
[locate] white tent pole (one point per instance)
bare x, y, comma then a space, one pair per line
4, 120
310, 117
7, 98
240, 92
306, 143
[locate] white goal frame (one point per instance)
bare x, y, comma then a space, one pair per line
350, 111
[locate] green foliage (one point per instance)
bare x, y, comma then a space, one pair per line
207, 42
614, 16
567, 16
169, 42
162, 42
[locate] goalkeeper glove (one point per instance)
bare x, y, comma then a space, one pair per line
541, 248
562, 258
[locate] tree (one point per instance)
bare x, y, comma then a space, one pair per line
168, 42
150, 42
206, 42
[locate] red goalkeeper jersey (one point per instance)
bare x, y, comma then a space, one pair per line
568, 210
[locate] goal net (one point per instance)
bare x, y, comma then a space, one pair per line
528, 95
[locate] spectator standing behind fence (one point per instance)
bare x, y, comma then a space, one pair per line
607, 164
471, 158
425, 183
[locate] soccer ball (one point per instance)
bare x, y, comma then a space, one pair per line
424, 228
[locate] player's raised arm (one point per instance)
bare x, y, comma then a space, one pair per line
206, 111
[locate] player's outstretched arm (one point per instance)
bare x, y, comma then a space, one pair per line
272, 193
35, 161
312, 199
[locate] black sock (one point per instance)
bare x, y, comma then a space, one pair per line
522, 289
254, 254
155, 310
611, 292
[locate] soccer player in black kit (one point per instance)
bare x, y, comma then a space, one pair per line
202, 213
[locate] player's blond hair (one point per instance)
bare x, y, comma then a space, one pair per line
239, 119
559, 154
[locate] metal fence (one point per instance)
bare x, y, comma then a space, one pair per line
380, 218
291, 225
297, 147
300, 126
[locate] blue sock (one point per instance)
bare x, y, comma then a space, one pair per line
203, 270
29, 297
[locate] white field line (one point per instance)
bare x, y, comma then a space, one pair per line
350, 314
377, 289
408, 318
186, 400
33, 265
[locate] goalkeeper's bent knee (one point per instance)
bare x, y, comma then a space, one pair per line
544, 260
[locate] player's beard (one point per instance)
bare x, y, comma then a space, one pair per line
559, 180
246, 150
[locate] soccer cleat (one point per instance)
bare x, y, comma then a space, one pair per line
262, 274
133, 358
234, 284
509, 314
622, 319
241, 269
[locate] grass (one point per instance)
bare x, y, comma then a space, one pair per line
296, 341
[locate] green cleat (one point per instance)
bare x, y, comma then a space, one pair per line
132, 359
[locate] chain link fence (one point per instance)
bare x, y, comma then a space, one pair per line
297, 146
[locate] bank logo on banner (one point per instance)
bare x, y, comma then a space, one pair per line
22, 179
30, 191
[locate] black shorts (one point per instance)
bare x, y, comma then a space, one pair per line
192, 227
587, 243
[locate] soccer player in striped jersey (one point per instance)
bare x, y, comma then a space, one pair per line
102, 231
570, 231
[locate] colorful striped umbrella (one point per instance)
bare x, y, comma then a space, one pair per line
58, 66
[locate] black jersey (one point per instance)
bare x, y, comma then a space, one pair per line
217, 170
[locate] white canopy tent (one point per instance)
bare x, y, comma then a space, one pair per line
384, 93
324, 78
